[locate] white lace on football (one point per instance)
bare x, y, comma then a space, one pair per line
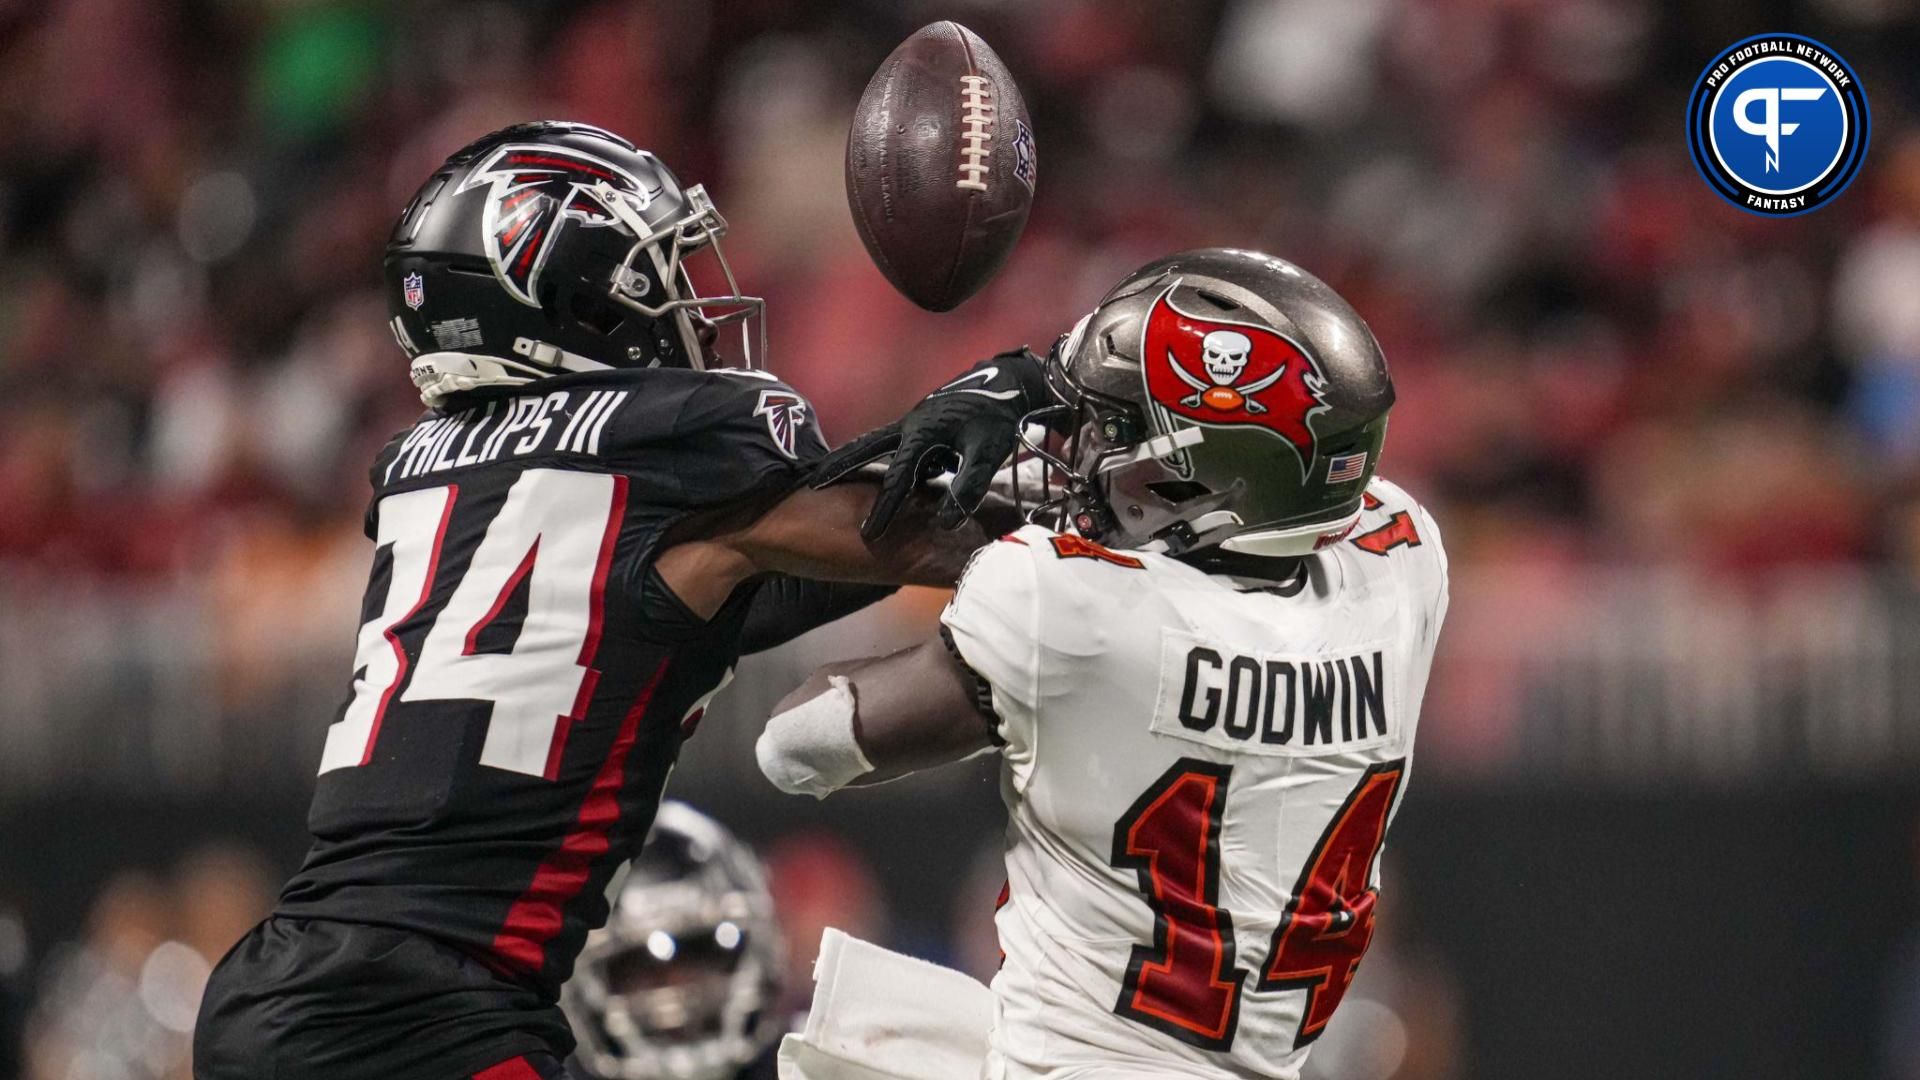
977, 92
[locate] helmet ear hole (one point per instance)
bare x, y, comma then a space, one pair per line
1176, 492
601, 318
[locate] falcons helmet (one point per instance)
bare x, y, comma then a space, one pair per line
683, 983
551, 247
1215, 399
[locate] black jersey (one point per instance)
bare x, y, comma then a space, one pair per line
522, 679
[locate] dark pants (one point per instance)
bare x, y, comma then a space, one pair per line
310, 999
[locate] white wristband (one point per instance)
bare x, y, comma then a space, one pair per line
810, 748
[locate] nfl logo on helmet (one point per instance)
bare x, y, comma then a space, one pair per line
413, 289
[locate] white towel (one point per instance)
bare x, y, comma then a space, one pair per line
878, 1015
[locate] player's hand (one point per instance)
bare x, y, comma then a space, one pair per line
968, 427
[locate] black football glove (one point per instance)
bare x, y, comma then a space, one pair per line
969, 427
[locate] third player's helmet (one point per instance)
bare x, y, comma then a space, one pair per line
551, 247
1218, 397
683, 983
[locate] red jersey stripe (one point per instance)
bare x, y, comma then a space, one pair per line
537, 916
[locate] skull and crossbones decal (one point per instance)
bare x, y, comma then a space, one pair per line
1205, 370
1224, 354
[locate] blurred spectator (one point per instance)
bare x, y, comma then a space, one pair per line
93, 1019
120, 1003
14, 959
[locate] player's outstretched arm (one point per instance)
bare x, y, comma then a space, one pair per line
814, 533
868, 721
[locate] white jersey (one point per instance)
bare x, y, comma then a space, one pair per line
1199, 772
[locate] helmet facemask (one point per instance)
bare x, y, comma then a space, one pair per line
667, 248
1109, 476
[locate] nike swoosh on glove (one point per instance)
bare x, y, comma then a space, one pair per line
968, 427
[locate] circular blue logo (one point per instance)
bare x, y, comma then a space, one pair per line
1778, 124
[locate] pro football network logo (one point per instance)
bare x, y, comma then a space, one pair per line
535, 187
1232, 374
786, 414
1778, 124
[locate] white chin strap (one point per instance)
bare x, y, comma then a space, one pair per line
441, 374
1267, 543
1298, 540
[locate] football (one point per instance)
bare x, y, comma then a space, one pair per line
941, 166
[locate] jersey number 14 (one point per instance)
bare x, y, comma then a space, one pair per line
1185, 984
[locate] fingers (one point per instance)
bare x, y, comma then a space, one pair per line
984, 448
903, 475
862, 451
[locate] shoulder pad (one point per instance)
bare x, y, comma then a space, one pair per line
757, 408
1078, 580
1393, 522
743, 412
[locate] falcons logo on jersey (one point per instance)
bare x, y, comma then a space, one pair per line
535, 187
786, 413
1231, 374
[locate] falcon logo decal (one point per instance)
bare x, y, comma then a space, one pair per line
535, 187
786, 414
1231, 374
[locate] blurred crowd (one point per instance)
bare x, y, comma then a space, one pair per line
1597, 358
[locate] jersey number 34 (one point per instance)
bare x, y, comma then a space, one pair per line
1185, 984
552, 539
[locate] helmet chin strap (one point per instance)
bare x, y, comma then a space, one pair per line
439, 375
1298, 540
1189, 535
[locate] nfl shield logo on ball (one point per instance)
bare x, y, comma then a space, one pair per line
1026, 159
413, 290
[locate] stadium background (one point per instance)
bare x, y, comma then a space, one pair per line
1665, 821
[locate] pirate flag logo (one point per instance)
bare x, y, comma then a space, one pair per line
535, 187
1231, 374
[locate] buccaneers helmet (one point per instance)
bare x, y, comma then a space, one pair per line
551, 247
1216, 399
683, 983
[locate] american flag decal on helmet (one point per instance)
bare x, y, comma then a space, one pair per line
786, 413
1346, 467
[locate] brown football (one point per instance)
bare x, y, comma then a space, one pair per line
941, 166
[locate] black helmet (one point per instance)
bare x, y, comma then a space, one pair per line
683, 982
552, 247
1217, 397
